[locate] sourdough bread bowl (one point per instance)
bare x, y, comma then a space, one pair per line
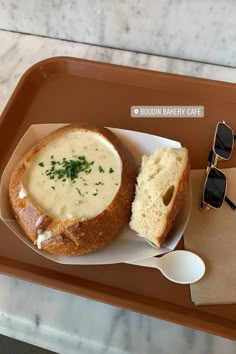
72, 192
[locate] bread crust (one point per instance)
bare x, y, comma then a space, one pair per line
177, 201
72, 237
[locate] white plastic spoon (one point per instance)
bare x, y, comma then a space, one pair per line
179, 266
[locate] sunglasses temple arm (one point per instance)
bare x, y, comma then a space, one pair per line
230, 203
234, 137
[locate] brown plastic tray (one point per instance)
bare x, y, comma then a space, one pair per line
70, 90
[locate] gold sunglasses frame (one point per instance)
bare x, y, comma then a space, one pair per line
212, 164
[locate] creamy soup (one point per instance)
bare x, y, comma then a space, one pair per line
74, 176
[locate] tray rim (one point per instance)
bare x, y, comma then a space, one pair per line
57, 59
130, 302
114, 297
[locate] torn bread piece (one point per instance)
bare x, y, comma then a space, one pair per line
161, 188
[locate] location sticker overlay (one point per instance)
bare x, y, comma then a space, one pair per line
167, 111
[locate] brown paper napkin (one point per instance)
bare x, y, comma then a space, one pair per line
212, 235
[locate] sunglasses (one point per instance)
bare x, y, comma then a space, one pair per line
216, 184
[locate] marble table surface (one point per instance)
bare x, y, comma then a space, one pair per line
70, 324
193, 30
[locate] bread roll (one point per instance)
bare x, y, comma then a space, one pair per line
72, 192
161, 188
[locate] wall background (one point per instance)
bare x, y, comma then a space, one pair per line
202, 30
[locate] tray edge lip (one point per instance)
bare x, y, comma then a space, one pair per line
113, 299
133, 69
64, 58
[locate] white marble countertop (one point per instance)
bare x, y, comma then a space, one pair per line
202, 30
70, 324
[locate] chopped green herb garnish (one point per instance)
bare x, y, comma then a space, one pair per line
116, 184
51, 156
69, 168
99, 183
78, 191
101, 170
41, 164
111, 170
53, 188
94, 193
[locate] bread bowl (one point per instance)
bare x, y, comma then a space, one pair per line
162, 186
72, 192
